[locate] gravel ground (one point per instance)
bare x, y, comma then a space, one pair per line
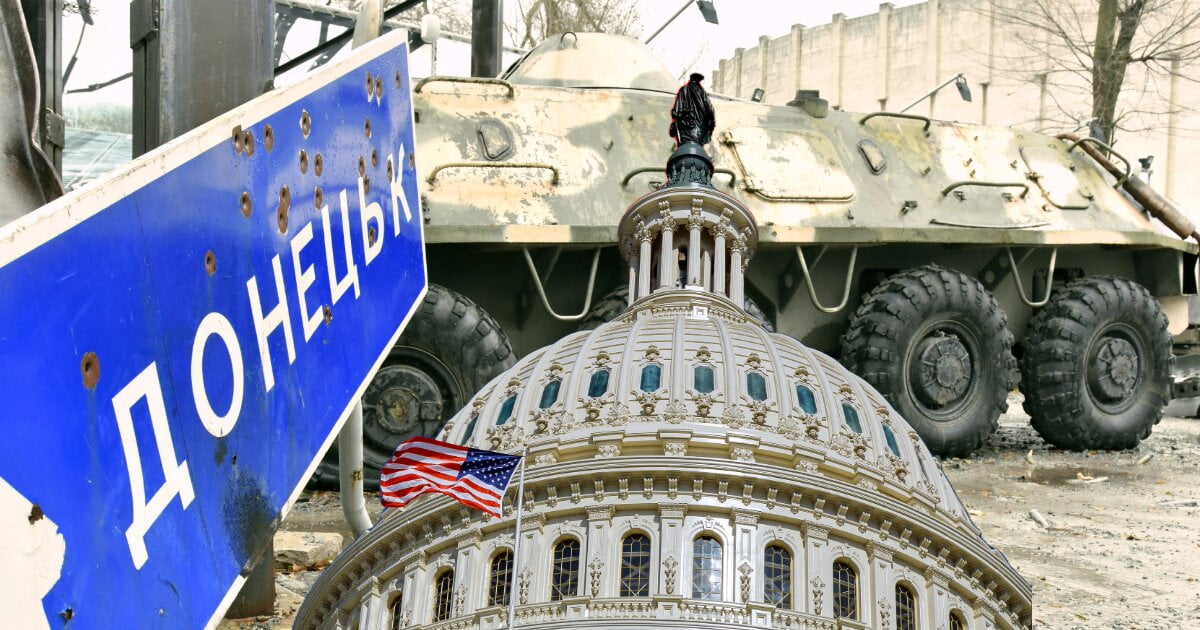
1120, 549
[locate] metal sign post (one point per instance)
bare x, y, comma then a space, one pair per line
181, 342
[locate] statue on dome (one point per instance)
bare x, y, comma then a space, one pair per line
692, 115
692, 123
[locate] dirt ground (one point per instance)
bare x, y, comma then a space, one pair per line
1120, 547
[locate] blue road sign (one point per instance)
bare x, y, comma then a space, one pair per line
181, 341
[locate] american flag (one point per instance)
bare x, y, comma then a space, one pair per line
473, 477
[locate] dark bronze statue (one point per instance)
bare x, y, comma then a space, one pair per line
692, 116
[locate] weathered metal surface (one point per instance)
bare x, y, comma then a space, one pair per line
804, 177
177, 84
27, 177
183, 339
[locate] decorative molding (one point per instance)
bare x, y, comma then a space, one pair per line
670, 565
745, 570
818, 593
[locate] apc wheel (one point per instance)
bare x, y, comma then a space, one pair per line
615, 302
1097, 363
450, 349
934, 342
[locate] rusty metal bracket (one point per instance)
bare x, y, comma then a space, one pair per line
541, 290
1016, 274
658, 169
1121, 181
812, 292
1022, 185
477, 80
924, 119
549, 167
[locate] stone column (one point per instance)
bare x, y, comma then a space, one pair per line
881, 574
695, 223
470, 574
599, 543
818, 592
667, 263
644, 257
371, 605
671, 548
736, 288
633, 278
718, 260
535, 583
748, 581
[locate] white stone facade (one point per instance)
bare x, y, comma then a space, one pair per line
685, 422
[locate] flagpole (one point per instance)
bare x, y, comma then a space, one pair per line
512, 587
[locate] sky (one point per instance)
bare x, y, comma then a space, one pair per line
104, 52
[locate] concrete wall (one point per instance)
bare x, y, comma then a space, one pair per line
888, 59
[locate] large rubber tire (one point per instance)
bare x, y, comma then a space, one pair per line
615, 302
934, 342
450, 349
1097, 364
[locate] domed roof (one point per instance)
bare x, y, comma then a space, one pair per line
690, 364
660, 439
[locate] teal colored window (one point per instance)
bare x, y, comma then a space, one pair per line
599, 384
704, 379
651, 378
550, 393
851, 417
506, 410
807, 401
470, 429
891, 440
756, 386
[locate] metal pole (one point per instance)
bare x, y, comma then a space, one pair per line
485, 38
512, 587
668, 22
350, 440
350, 472
931, 92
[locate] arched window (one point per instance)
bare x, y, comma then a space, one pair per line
808, 402
506, 410
470, 428
443, 588
703, 377
500, 579
956, 621
550, 394
706, 568
635, 566
906, 608
777, 576
651, 378
845, 590
891, 440
851, 416
599, 384
564, 573
756, 386
396, 611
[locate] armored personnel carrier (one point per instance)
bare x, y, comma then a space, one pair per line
943, 262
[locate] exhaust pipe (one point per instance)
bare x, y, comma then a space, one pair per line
1157, 205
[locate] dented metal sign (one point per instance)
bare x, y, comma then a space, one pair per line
182, 340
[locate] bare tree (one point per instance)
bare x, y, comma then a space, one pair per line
1111, 56
540, 19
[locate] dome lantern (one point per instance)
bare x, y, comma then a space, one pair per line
688, 235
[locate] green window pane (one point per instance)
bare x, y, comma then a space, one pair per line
851, 417
756, 386
704, 379
651, 378
506, 410
598, 384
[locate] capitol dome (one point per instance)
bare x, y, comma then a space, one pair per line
685, 469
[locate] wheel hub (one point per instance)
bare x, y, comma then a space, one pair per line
942, 371
402, 398
1113, 374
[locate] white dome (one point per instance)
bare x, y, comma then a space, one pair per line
685, 469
